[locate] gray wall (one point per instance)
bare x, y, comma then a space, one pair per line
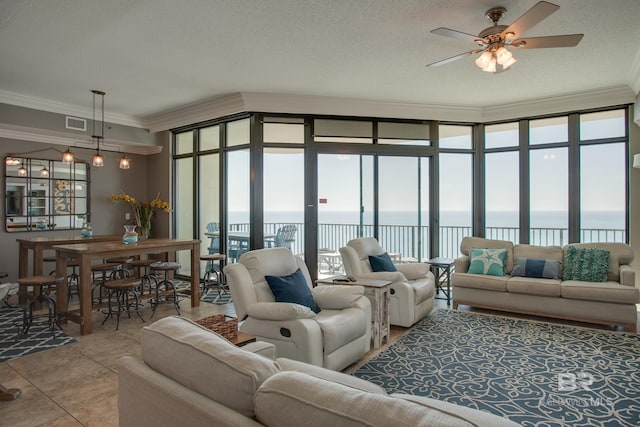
107, 217
28, 117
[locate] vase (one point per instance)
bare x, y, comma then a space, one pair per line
130, 235
145, 229
87, 231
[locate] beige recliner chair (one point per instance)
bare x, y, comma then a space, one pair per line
413, 288
334, 338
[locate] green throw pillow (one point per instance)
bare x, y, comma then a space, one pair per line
488, 261
589, 265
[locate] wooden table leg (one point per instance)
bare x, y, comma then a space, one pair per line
23, 271
9, 393
85, 295
195, 275
62, 288
37, 260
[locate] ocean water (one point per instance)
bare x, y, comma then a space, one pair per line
410, 242
539, 219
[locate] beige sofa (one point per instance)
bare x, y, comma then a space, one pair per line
193, 377
610, 303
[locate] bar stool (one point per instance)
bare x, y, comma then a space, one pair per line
122, 272
143, 273
166, 267
39, 283
213, 270
122, 289
73, 280
50, 258
106, 271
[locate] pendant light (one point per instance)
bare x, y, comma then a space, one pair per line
125, 163
98, 159
68, 157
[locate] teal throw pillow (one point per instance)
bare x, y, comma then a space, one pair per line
589, 265
536, 267
292, 288
381, 262
490, 262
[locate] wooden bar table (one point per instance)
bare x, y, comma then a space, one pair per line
39, 244
84, 253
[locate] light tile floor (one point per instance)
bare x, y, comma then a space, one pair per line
76, 385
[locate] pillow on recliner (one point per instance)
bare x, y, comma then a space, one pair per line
292, 288
381, 262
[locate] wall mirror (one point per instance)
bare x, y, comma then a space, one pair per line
43, 195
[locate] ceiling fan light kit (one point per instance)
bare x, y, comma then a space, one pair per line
494, 41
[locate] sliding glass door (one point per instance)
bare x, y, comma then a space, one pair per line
345, 205
403, 189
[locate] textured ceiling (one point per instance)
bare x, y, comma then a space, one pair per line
152, 56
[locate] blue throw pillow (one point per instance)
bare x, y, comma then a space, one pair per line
292, 288
536, 267
381, 262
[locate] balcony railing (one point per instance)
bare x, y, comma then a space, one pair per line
411, 243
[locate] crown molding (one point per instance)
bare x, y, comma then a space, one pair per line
325, 105
67, 109
604, 97
314, 104
194, 113
73, 140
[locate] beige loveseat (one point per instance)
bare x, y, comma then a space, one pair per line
612, 302
192, 377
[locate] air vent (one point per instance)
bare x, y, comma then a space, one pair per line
75, 123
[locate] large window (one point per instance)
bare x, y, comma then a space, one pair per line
543, 181
602, 193
502, 199
456, 201
549, 197
284, 198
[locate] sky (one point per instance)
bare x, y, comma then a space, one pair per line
602, 179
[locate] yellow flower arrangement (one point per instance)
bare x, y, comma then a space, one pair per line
142, 211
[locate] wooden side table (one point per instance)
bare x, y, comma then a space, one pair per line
380, 290
243, 339
442, 268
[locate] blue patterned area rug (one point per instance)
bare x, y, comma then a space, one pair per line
211, 296
534, 373
38, 339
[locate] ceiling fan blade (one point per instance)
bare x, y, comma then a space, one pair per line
530, 18
568, 40
454, 58
448, 32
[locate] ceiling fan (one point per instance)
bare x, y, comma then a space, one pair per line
493, 42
